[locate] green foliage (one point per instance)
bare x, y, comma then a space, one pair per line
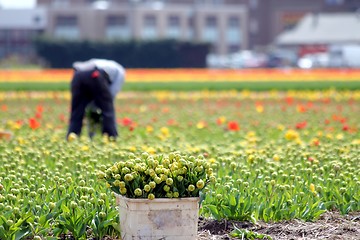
60, 53
248, 235
190, 86
50, 187
14, 230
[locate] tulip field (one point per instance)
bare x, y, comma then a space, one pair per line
276, 156
193, 79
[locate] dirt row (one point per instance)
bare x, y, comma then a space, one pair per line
331, 226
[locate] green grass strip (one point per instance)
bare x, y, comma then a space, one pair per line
191, 86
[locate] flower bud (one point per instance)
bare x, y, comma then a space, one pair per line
166, 188
191, 188
100, 175
122, 184
82, 202
116, 183
73, 205
169, 181
138, 192
200, 184
9, 222
123, 191
128, 177
52, 205
147, 188
157, 180
152, 184
102, 215
151, 196
101, 202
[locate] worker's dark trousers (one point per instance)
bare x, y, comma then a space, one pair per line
87, 86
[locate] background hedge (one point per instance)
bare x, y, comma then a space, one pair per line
59, 53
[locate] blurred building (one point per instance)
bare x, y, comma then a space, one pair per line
230, 25
325, 40
323, 29
17, 29
223, 25
269, 18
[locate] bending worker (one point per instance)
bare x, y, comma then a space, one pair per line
94, 85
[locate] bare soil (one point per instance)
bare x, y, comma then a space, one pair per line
331, 226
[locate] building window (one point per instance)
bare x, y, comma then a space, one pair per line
150, 27
66, 27
254, 4
210, 33
334, 2
233, 48
173, 27
3, 35
233, 31
16, 42
190, 28
254, 26
117, 27
60, 3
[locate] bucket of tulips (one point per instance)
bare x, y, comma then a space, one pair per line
158, 196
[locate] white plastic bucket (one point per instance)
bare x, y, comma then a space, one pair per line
161, 218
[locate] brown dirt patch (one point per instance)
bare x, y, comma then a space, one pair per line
331, 226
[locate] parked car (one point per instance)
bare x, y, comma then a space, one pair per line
242, 59
279, 58
314, 60
345, 56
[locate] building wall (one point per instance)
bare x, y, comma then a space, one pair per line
260, 21
269, 18
86, 22
17, 29
265, 18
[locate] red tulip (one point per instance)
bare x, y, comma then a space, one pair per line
171, 122
233, 126
301, 125
4, 108
38, 115
62, 117
126, 121
289, 100
342, 120
39, 108
301, 108
33, 123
